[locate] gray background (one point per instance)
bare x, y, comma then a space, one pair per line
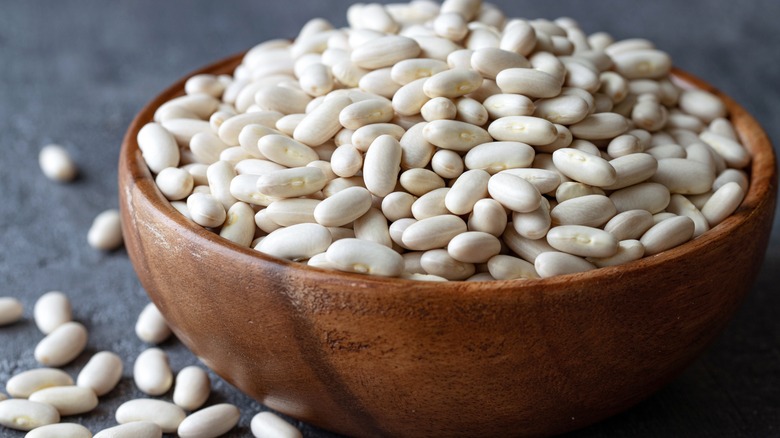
76, 72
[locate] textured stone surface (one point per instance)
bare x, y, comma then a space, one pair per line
76, 72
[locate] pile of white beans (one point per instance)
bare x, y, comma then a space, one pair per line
40, 397
448, 142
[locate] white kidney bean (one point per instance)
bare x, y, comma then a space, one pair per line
209, 422
152, 373
11, 310
490, 61
584, 167
285, 151
68, 400
627, 251
365, 257
684, 176
292, 211
26, 415
296, 242
56, 163
629, 224
702, 104
410, 70
473, 247
545, 181
732, 152
291, 183
527, 249
528, 82
364, 136
102, 373
379, 82
27, 382
488, 215
343, 207
366, 112
452, 83
508, 105
469, 188
600, 126
183, 130
632, 169
105, 233
534, 224
135, 429
239, 226
381, 165
667, 234
166, 415
570, 190
60, 430
526, 129
431, 204
322, 123
372, 227
62, 345
192, 388
731, 175
174, 183
398, 205
723, 203
504, 267
433, 232
447, 164
642, 63
206, 210
438, 108
652, 197
158, 147
681, 206
514, 192
438, 262
269, 425
220, 174
384, 51
563, 109
582, 241
420, 181
151, 326
553, 263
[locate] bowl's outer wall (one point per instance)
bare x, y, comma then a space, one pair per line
374, 357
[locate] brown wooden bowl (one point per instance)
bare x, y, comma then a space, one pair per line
368, 356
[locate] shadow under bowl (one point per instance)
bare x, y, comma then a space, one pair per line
367, 356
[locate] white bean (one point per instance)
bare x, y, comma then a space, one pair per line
582, 241
642, 63
151, 326
455, 135
732, 152
584, 167
105, 233
60, 430
431, 204
667, 234
322, 123
26, 415
27, 382
452, 83
68, 400
507, 105
681, 206
56, 163
553, 263
366, 112
372, 227
600, 126
102, 373
702, 104
158, 147
364, 136
420, 181
630, 224
239, 226
174, 183
563, 109
192, 388
632, 169
533, 224
488, 215
447, 164
210, 422
684, 176
379, 82
206, 210
11, 310
269, 425
473, 247
545, 181
628, 251
183, 130
135, 429
723, 203
527, 249
152, 373
385, 51
62, 345
469, 188
490, 61
381, 165
528, 82
433, 232
397, 205
504, 267
365, 257
166, 415
296, 242
438, 108
292, 183
652, 197
438, 262
514, 192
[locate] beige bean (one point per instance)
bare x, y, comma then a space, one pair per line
158, 147
26, 415
365, 257
732, 152
11, 310
438, 262
545, 181
410, 98
379, 82
364, 136
166, 415
684, 176
490, 61
585, 146
372, 227
365, 113
398, 205
698, 151
553, 263
452, 83
582, 241
416, 151
623, 145
530, 130
614, 85
296, 242
454, 135
469, 188
52, 310
527, 249
420, 181
507, 105
284, 100
681, 206
702, 104
396, 231
519, 37
504, 267
649, 196
292, 211
267, 424
632, 169
431, 204
338, 184
152, 373
570, 190
56, 164
628, 251
135, 429
447, 164
564, 109
731, 175
630, 224
410, 70
667, 234
473, 247
588, 210
724, 128
600, 126
346, 161
514, 192
206, 210
381, 165
528, 82
239, 226
322, 123
438, 108
584, 167
101, 373
471, 111
642, 63
433, 232
291, 183
60, 430
174, 183
723, 203
27, 382
210, 422
533, 224
62, 345
384, 51
68, 400
192, 388
488, 215
667, 151
285, 151
151, 326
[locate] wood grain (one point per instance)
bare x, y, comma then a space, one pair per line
388, 357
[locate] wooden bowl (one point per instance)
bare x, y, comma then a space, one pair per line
368, 356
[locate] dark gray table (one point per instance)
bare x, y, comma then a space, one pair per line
76, 72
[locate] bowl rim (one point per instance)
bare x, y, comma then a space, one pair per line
762, 189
